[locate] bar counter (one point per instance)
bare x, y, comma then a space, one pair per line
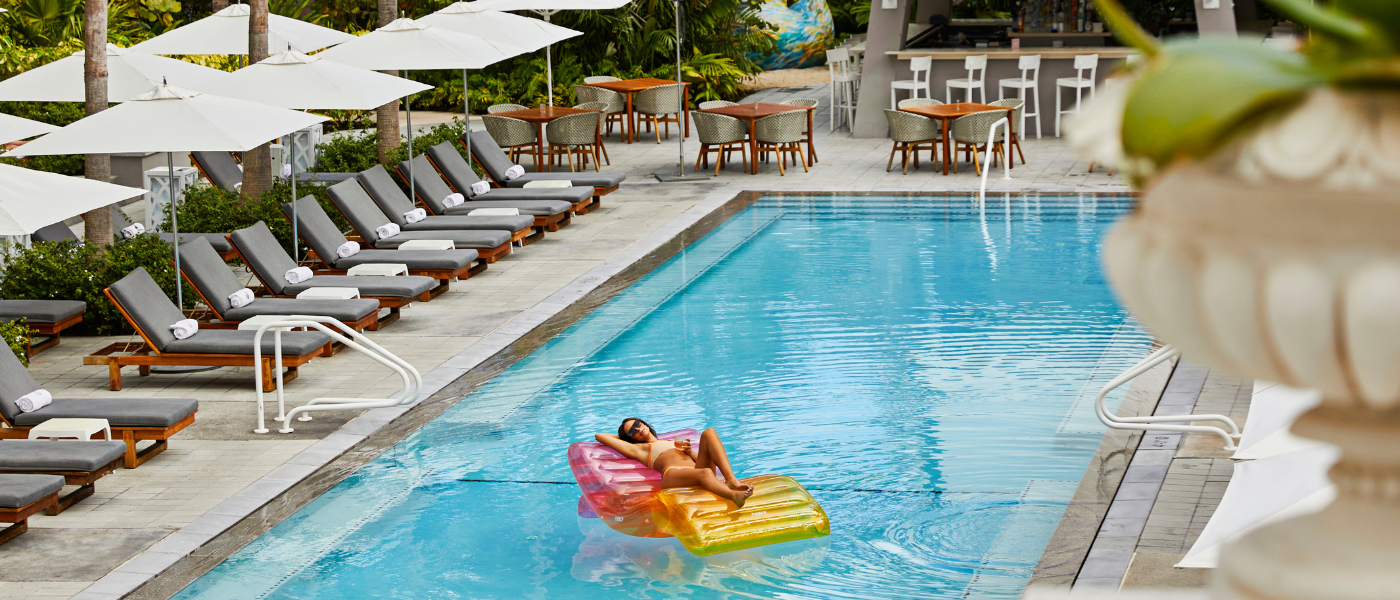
1104, 52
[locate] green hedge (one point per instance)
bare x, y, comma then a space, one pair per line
208, 209
16, 336
356, 152
72, 270
53, 113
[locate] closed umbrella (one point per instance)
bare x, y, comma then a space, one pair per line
296, 81
226, 32
30, 200
546, 9
129, 74
17, 128
408, 45
172, 119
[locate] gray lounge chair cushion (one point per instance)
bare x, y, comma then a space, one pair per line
382, 190
240, 342
216, 240
119, 412
320, 233
15, 381
344, 310
492, 158
208, 273
71, 456
404, 286
415, 259
460, 239
221, 169
149, 308
40, 311
53, 233
19, 491
264, 255
432, 190
352, 200
325, 177
454, 168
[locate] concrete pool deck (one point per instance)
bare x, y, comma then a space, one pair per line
219, 476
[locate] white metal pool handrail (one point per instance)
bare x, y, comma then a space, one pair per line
987, 159
1159, 422
412, 381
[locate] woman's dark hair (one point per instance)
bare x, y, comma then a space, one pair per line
622, 430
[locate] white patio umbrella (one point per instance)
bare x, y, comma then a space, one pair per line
1272, 409
226, 32
1263, 492
129, 74
408, 45
30, 200
546, 9
172, 119
294, 80
17, 128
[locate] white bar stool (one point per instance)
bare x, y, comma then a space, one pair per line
918, 64
1082, 63
843, 86
1029, 80
976, 78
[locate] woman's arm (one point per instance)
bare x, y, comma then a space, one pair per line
628, 449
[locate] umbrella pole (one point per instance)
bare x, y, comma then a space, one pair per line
175, 225
412, 189
467, 112
294, 197
680, 162
548, 62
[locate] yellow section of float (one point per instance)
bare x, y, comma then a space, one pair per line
780, 510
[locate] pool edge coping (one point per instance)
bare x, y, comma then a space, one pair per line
176, 561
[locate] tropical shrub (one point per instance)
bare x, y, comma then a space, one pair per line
53, 113
72, 270
16, 336
354, 153
210, 209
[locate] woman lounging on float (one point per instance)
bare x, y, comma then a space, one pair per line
680, 465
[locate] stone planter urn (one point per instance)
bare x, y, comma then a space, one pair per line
1278, 258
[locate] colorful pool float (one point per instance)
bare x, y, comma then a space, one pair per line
627, 496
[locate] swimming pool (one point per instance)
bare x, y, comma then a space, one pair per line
925, 368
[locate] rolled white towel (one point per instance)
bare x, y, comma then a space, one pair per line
286, 171
453, 200
494, 212
241, 298
133, 230
415, 215
386, 230
298, 275
184, 329
348, 249
514, 171
480, 187
34, 400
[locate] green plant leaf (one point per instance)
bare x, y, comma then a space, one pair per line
1202, 91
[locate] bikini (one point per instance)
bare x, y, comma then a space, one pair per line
658, 448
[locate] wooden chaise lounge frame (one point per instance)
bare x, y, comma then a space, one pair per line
444, 275
543, 223
370, 321
53, 330
393, 303
144, 355
20, 516
87, 480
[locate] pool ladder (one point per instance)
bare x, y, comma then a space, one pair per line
412, 381
1160, 422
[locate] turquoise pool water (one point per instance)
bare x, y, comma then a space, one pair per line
927, 369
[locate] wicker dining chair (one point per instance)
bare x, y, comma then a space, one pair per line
910, 134
806, 131
599, 79
575, 134
513, 135
616, 111
500, 108
708, 104
1016, 121
601, 107
721, 135
973, 132
782, 133
663, 105
912, 102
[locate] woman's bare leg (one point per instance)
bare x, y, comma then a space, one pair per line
705, 478
711, 454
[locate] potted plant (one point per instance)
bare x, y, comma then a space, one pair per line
1267, 244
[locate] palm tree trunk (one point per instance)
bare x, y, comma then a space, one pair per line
386, 118
97, 226
257, 163
218, 5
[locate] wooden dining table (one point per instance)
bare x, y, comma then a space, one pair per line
946, 113
629, 87
540, 117
751, 113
